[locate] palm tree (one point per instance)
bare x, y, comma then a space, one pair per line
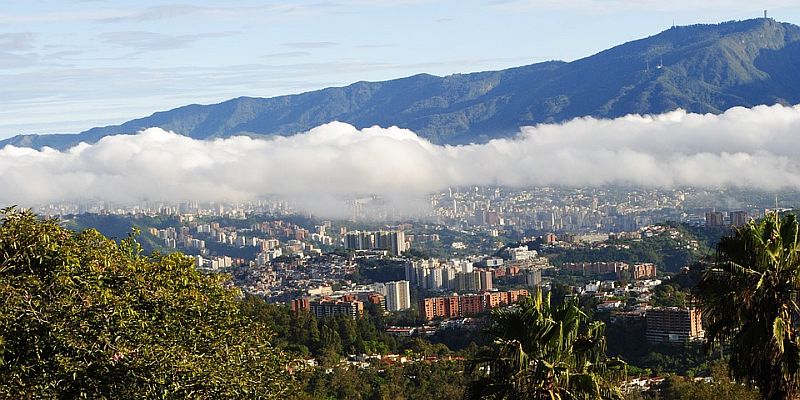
749, 300
545, 352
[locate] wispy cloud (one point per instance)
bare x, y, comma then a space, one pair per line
17, 41
157, 13
116, 14
310, 45
287, 54
752, 148
151, 41
376, 46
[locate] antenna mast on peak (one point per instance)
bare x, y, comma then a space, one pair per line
765, 14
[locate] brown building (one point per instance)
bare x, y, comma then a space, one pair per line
375, 298
301, 304
473, 304
715, 218
641, 271
349, 297
440, 307
457, 306
739, 218
514, 295
495, 299
673, 325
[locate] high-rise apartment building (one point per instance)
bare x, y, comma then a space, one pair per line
457, 306
394, 242
327, 307
715, 218
739, 218
398, 296
673, 325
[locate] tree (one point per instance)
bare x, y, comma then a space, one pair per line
85, 317
546, 352
716, 386
749, 300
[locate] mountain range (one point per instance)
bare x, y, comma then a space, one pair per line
699, 68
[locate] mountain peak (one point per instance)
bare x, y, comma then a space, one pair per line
700, 68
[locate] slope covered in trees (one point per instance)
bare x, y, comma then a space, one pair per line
86, 317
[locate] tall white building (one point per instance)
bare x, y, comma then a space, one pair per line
398, 296
394, 241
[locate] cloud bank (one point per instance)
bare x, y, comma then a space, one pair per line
752, 148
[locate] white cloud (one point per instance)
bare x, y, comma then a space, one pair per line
754, 148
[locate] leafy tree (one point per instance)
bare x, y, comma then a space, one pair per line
718, 386
749, 299
546, 352
85, 317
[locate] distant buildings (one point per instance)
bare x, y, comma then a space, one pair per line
521, 253
457, 306
327, 307
715, 218
533, 277
643, 271
397, 296
739, 218
673, 325
394, 242
598, 268
637, 271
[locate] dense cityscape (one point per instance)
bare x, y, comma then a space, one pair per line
438, 276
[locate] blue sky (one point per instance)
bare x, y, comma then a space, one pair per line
66, 66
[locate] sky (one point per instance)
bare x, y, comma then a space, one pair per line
69, 65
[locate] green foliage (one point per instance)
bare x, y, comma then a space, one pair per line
421, 380
380, 270
719, 387
668, 254
119, 226
86, 317
416, 254
546, 352
750, 301
668, 295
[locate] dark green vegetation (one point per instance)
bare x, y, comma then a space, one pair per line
384, 381
119, 227
330, 340
547, 352
706, 68
333, 338
668, 253
717, 385
86, 317
750, 302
